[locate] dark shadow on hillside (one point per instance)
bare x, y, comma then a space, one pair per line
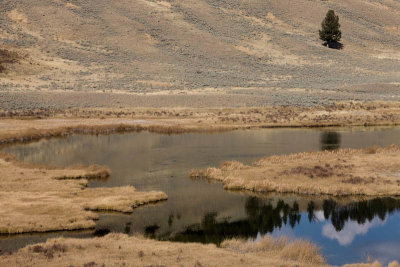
7, 57
334, 45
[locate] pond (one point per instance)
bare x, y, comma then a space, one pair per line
347, 229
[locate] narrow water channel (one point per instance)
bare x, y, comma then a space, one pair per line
347, 229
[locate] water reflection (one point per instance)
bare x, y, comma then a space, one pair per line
352, 228
344, 221
197, 210
360, 212
261, 217
330, 140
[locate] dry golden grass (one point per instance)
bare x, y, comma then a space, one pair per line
175, 121
41, 198
372, 172
122, 250
13, 131
297, 251
118, 249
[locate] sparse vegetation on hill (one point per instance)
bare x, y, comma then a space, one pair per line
246, 48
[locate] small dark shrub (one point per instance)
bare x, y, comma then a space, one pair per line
90, 264
48, 252
7, 56
141, 254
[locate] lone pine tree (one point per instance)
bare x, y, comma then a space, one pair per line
330, 32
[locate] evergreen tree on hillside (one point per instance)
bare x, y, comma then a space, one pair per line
330, 32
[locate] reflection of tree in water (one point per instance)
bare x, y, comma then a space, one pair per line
359, 211
265, 218
330, 140
150, 231
261, 218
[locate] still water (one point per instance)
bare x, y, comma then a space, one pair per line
347, 229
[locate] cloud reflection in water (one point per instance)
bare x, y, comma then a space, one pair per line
350, 230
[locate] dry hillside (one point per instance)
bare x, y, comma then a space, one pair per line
267, 50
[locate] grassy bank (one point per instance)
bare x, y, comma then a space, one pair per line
23, 125
41, 198
344, 172
122, 250
118, 249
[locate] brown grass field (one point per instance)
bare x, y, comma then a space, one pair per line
122, 250
345, 172
41, 199
27, 125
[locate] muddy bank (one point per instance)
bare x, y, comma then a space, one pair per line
41, 199
344, 172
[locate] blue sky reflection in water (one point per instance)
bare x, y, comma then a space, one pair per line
376, 238
347, 229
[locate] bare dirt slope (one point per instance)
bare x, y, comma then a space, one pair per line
265, 48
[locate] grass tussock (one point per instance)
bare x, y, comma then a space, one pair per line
340, 173
297, 251
49, 251
45, 198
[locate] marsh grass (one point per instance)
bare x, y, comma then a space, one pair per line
25, 126
342, 172
34, 134
145, 252
45, 198
119, 249
175, 121
297, 251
